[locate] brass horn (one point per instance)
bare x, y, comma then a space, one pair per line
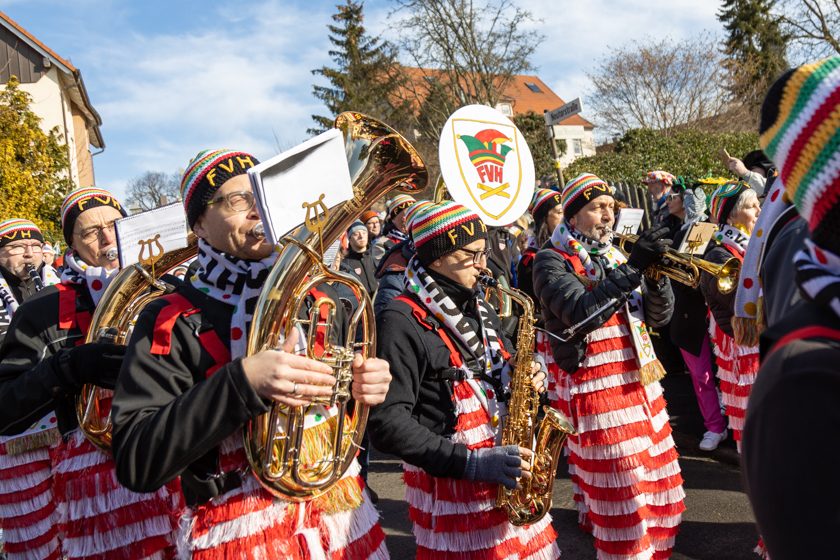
276, 443
113, 321
685, 268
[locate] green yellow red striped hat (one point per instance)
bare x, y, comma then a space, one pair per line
83, 199
800, 132
208, 171
438, 229
579, 191
544, 200
724, 199
17, 229
398, 204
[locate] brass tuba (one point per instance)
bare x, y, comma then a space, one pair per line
685, 269
522, 427
114, 319
380, 161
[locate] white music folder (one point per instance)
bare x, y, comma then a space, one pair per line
312, 173
151, 233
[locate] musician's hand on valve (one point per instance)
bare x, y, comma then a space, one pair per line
649, 248
287, 378
371, 379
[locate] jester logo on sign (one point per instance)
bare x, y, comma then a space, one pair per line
488, 150
486, 164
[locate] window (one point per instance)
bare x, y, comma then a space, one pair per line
505, 109
533, 87
577, 146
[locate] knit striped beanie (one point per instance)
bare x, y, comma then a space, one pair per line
412, 211
80, 200
206, 173
438, 229
542, 203
17, 229
724, 200
800, 132
398, 204
579, 191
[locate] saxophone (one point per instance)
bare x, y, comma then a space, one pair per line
522, 427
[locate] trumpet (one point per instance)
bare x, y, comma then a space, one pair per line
685, 268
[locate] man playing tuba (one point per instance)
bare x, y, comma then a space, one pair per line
43, 365
187, 389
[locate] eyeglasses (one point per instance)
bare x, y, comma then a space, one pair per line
478, 255
240, 201
15, 250
93, 232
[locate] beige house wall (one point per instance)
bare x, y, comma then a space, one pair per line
55, 110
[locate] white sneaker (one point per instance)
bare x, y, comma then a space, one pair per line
711, 440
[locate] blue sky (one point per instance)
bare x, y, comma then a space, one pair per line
172, 78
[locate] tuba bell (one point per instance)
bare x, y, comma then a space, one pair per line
113, 321
280, 450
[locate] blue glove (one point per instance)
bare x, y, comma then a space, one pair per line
497, 465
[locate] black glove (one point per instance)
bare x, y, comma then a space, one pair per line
498, 465
96, 363
649, 248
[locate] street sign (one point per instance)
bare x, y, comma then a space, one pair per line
563, 112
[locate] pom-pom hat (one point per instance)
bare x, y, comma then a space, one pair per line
438, 229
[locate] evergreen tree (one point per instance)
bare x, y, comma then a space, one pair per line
756, 49
365, 74
34, 165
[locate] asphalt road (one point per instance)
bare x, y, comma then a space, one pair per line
717, 525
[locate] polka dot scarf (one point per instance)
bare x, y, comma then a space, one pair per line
234, 281
818, 275
569, 240
95, 278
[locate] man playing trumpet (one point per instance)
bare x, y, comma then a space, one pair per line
623, 462
187, 389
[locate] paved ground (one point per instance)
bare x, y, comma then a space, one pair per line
717, 525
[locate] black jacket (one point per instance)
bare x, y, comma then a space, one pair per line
363, 267
788, 459
689, 323
786, 238
722, 306
417, 418
389, 274
31, 384
566, 301
169, 418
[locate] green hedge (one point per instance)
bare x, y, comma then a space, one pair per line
689, 153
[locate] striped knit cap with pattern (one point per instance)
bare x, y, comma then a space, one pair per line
206, 173
800, 132
398, 204
580, 191
542, 203
724, 199
438, 229
80, 200
18, 229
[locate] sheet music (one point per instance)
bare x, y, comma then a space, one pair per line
629, 220
697, 238
164, 229
312, 173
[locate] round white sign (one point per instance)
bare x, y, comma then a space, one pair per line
486, 164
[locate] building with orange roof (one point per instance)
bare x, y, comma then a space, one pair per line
58, 95
523, 94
